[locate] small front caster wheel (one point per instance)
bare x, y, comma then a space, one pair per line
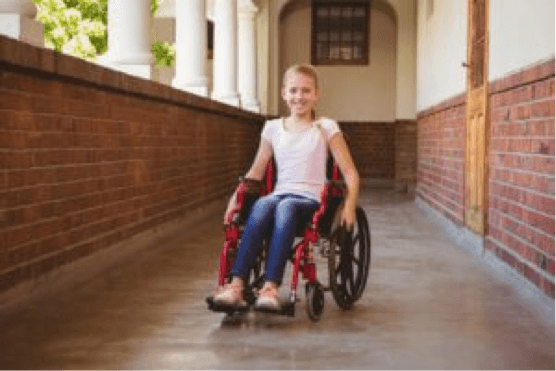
314, 300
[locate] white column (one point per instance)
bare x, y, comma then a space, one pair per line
129, 37
191, 47
247, 64
225, 52
17, 20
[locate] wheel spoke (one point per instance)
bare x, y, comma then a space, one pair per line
351, 282
344, 276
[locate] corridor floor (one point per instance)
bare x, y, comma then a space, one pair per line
428, 305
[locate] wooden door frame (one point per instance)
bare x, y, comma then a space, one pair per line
485, 185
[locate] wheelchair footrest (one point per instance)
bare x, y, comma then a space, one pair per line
215, 307
287, 308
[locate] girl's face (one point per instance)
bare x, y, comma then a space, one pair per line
300, 94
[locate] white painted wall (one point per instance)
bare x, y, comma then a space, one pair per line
441, 48
349, 93
406, 51
521, 34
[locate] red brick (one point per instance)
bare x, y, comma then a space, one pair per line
543, 146
78, 108
45, 105
14, 100
537, 128
51, 140
523, 112
52, 157
550, 266
15, 236
543, 89
519, 145
28, 83
16, 120
15, 160
543, 164
543, 108
14, 139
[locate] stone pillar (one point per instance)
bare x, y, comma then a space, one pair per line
129, 37
247, 48
17, 20
191, 47
225, 52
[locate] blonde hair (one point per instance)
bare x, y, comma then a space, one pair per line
304, 69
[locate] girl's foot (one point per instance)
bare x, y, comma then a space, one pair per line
268, 299
231, 295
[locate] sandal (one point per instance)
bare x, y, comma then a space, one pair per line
230, 296
267, 301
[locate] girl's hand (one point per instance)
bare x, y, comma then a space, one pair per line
347, 217
231, 206
226, 217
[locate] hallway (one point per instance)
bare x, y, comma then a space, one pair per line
428, 305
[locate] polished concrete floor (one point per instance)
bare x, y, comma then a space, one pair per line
428, 305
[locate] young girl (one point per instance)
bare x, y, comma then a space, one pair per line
299, 144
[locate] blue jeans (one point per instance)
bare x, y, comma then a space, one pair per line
284, 211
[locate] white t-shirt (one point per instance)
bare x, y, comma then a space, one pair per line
300, 157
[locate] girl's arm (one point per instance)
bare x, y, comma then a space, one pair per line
264, 154
342, 156
257, 170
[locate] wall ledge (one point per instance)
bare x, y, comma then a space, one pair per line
15, 54
527, 75
454, 101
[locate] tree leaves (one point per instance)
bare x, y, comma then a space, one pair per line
74, 27
78, 28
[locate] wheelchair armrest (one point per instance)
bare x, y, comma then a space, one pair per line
247, 190
251, 185
339, 184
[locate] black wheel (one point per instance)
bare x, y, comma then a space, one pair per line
349, 260
314, 300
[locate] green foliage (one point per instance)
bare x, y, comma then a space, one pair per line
155, 4
78, 28
74, 27
164, 53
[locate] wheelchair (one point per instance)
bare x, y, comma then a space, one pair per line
348, 252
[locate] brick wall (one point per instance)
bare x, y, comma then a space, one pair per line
440, 154
521, 184
406, 152
90, 157
521, 169
373, 148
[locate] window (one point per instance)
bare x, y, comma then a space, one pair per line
340, 33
